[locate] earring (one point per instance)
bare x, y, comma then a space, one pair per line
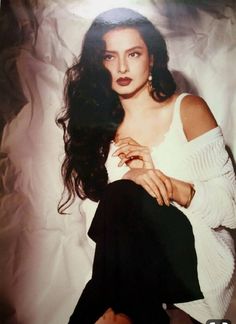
150, 77
150, 82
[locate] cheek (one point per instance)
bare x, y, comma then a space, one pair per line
146, 66
142, 67
111, 69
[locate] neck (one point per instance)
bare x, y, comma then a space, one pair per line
141, 102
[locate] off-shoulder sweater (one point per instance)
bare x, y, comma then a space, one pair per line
204, 162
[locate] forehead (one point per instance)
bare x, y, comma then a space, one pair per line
123, 38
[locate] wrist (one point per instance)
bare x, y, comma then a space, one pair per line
190, 196
183, 192
126, 176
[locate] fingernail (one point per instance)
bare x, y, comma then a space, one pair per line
159, 202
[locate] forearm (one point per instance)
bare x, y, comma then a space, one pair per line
215, 202
183, 192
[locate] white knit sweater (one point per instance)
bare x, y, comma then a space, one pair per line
205, 163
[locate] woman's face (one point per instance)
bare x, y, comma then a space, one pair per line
128, 60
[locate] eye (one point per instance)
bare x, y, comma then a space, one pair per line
135, 54
108, 57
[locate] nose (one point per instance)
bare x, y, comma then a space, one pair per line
123, 66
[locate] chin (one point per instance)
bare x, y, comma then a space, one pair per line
126, 94
130, 91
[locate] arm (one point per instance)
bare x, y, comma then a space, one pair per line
215, 198
143, 171
197, 119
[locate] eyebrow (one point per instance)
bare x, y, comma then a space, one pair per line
128, 50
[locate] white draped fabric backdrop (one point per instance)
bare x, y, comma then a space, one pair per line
46, 257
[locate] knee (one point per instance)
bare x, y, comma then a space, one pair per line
121, 183
116, 207
122, 192
122, 186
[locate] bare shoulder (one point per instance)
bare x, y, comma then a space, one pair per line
196, 116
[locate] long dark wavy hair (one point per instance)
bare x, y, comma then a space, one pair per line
93, 112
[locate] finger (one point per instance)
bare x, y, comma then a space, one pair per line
126, 140
121, 155
126, 160
136, 152
121, 150
169, 187
125, 149
122, 158
121, 162
132, 149
162, 190
154, 188
148, 189
166, 180
144, 154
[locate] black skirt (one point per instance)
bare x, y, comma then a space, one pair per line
144, 257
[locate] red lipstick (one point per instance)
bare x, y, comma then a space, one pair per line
123, 81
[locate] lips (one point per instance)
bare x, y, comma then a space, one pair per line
123, 81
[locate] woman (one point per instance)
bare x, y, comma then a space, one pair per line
160, 229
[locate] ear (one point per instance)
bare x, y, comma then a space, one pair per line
151, 61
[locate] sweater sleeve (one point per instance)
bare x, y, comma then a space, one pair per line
215, 185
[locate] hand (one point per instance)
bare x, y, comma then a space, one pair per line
156, 183
129, 150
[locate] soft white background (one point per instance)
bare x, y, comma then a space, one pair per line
46, 257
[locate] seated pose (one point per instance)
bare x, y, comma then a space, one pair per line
155, 160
